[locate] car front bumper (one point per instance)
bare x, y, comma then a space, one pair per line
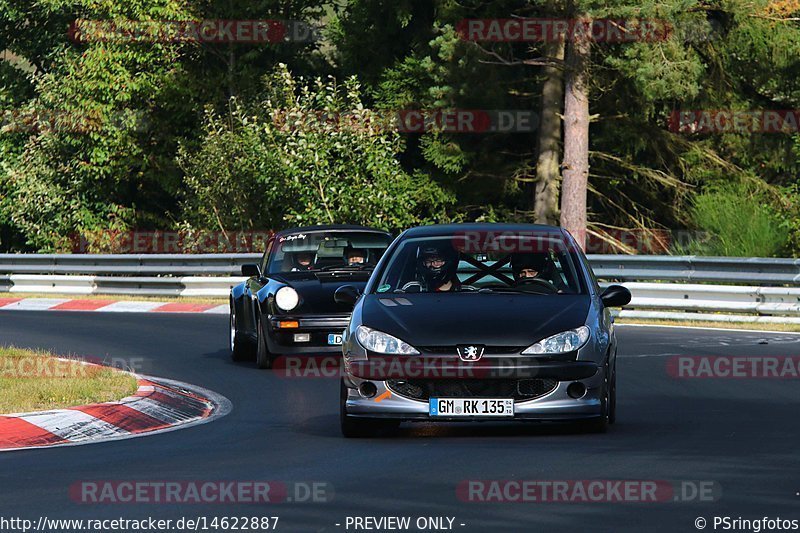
280, 340
555, 405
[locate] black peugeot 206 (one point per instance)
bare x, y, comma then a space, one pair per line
470, 322
287, 305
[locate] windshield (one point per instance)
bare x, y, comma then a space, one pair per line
516, 263
327, 250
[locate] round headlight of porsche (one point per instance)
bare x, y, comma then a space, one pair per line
380, 342
566, 341
287, 298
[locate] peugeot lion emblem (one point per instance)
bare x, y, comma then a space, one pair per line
470, 352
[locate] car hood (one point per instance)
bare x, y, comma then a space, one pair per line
474, 318
316, 293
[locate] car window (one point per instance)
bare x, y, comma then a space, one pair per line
532, 263
326, 250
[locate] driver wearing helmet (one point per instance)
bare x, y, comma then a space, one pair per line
302, 261
531, 266
355, 257
436, 269
527, 266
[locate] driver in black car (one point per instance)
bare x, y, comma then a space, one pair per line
529, 267
302, 261
355, 257
436, 270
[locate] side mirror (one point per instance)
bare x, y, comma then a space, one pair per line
616, 296
251, 270
346, 294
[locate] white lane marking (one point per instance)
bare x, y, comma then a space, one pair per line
73, 426
130, 307
166, 412
706, 328
160, 411
34, 304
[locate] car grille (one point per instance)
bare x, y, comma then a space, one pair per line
488, 350
519, 389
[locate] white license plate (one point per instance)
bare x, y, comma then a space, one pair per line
334, 339
471, 407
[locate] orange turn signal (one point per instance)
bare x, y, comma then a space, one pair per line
288, 324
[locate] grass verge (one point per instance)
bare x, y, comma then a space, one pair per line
35, 380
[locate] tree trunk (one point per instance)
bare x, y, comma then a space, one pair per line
576, 137
548, 175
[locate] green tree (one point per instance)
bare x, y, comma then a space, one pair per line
308, 152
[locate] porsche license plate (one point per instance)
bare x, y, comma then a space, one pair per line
334, 339
471, 407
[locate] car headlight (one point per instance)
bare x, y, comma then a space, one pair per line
378, 341
566, 341
287, 298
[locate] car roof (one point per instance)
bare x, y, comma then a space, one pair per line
330, 227
436, 230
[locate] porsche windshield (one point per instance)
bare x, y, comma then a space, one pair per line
530, 263
322, 251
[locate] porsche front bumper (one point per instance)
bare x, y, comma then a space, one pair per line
280, 340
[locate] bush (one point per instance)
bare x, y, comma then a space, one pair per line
308, 153
740, 220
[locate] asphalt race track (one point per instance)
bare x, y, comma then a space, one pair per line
738, 433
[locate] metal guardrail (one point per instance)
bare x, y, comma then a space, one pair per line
771, 292
208, 286
690, 268
124, 264
751, 270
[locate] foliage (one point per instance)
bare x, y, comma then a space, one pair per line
107, 136
739, 219
309, 152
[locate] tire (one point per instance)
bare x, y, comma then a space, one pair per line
264, 358
361, 428
607, 404
240, 349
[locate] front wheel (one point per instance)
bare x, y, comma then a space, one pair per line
264, 358
240, 349
608, 403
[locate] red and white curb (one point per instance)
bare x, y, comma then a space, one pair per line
108, 306
159, 405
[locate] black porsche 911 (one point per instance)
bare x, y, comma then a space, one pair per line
287, 305
469, 322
